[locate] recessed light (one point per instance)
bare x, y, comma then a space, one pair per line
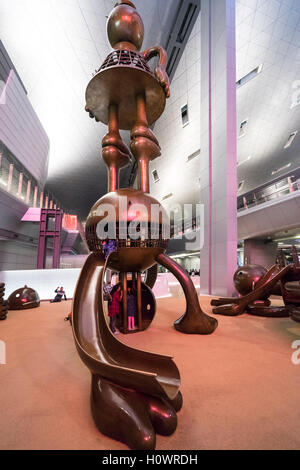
285, 167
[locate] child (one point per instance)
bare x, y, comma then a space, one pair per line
131, 308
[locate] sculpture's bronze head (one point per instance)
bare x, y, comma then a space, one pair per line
125, 28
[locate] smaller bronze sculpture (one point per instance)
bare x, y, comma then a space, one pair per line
3, 303
262, 290
288, 276
23, 299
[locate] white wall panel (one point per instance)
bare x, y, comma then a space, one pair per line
21, 130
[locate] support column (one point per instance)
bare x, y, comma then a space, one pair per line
125, 316
139, 301
218, 147
262, 252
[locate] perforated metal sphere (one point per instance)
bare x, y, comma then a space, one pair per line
129, 255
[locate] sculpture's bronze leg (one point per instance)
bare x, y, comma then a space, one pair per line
294, 312
236, 309
194, 321
131, 417
144, 144
115, 153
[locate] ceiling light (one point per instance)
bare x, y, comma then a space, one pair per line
285, 167
241, 162
167, 196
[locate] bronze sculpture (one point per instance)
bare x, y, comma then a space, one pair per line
257, 301
23, 299
3, 303
134, 394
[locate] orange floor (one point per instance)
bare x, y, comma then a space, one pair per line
240, 387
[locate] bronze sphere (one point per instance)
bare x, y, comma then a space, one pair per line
23, 299
246, 277
125, 28
129, 255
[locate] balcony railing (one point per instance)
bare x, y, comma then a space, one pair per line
272, 192
17, 181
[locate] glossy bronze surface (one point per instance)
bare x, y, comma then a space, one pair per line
268, 312
295, 314
270, 279
130, 255
135, 394
125, 25
246, 278
121, 84
194, 320
249, 283
290, 287
144, 145
3, 303
114, 152
121, 375
151, 276
23, 299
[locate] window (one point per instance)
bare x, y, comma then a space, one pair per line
241, 184
185, 115
193, 155
242, 81
290, 140
242, 131
155, 176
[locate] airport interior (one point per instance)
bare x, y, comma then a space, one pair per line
149, 225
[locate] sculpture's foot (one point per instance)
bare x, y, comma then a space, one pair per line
268, 312
223, 301
194, 322
232, 310
295, 313
131, 417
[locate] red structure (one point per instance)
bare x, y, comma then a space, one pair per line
50, 229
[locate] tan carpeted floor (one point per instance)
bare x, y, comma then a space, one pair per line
240, 387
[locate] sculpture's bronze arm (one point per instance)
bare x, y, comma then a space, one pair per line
160, 71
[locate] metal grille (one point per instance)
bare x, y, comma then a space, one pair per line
125, 58
95, 244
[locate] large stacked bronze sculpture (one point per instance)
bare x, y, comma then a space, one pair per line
135, 394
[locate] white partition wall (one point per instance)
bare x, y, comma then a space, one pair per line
47, 280
43, 281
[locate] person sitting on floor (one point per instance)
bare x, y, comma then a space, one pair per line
60, 293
